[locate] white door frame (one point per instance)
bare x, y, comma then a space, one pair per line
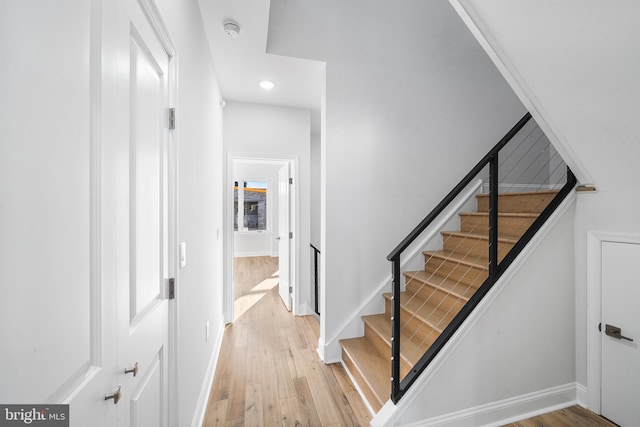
228, 289
594, 310
284, 241
174, 218
156, 21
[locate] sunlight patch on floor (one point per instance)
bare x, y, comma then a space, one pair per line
265, 285
243, 303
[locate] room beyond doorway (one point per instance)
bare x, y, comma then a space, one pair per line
275, 212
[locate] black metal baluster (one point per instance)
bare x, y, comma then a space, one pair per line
493, 215
395, 331
316, 252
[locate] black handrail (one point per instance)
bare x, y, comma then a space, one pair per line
457, 190
496, 268
316, 252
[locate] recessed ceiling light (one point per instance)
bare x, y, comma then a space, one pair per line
267, 84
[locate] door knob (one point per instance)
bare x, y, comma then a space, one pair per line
278, 238
133, 370
115, 396
615, 332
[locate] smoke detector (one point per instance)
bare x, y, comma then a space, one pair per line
231, 29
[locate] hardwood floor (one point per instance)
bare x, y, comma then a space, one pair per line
269, 373
574, 416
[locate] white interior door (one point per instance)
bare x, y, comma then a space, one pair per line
284, 228
620, 356
143, 305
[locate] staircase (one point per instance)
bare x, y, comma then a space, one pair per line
435, 294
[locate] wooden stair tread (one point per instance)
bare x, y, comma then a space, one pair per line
433, 316
411, 348
523, 193
510, 224
502, 214
453, 287
529, 201
481, 262
502, 239
370, 367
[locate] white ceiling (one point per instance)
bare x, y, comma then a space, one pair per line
242, 62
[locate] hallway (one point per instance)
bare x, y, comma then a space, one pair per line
268, 371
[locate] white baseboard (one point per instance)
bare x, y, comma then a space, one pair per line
252, 253
304, 309
205, 391
506, 411
582, 395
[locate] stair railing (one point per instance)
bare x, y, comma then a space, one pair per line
496, 267
316, 279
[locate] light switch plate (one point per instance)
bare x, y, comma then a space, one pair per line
183, 254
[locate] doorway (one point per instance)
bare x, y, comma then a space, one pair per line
260, 221
613, 370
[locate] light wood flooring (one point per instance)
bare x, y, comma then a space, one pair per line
574, 416
268, 372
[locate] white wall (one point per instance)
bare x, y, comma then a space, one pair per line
315, 189
200, 208
261, 243
412, 103
316, 211
268, 132
575, 65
